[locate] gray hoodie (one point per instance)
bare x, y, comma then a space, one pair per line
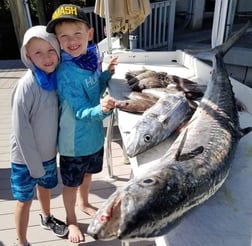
34, 114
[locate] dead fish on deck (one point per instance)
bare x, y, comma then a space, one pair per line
146, 79
192, 170
133, 73
172, 89
157, 123
133, 77
137, 102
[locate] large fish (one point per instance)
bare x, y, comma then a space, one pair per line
193, 169
157, 123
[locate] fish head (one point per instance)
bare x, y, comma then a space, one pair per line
133, 105
157, 123
105, 224
143, 135
140, 207
133, 211
125, 105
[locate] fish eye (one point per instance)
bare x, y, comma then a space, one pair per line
148, 181
147, 138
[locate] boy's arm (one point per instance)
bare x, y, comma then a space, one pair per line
23, 132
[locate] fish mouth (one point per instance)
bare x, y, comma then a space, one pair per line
106, 224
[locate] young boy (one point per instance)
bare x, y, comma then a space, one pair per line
34, 134
80, 88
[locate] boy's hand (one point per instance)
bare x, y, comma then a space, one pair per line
107, 103
112, 64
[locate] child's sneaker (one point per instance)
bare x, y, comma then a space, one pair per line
58, 227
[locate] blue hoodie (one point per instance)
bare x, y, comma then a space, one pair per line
81, 129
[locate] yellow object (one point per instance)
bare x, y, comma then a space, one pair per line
124, 15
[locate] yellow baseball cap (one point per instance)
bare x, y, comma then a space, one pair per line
67, 12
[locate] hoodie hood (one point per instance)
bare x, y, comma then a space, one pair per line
37, 32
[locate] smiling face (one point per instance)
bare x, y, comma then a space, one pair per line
73, 37
42, 54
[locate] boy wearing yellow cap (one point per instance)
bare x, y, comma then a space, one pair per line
81, 85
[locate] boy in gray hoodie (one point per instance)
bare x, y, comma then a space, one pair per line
34, 132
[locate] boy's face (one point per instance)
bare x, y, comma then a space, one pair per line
42, 54
74, 37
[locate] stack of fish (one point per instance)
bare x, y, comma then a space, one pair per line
144, 82
166, 101
146, 79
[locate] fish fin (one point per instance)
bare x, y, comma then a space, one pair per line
225, 47
193, 104
245, 131
192, 154
206, 54
189, 155
241, 107
162, 118
182, 143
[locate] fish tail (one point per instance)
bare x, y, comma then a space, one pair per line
226, 46
245, 131
220, 50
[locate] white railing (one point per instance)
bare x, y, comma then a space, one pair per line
154, 33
